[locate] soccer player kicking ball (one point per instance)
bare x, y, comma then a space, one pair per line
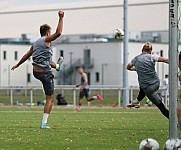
144, 65
84, 90
41, 53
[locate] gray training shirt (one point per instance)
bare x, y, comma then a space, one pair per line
145, 68
42, 54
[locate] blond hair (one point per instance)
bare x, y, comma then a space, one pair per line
147, 46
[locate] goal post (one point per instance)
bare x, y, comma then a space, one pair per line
173, 67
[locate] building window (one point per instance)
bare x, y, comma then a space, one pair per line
87, 57
97, 77
16, 55
28, 78
4, 55
89, 77
61, 53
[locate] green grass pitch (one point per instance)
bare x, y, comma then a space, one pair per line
92, 129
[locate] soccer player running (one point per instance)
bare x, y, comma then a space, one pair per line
41, 53
144, 65
84, 90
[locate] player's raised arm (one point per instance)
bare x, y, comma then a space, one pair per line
163, 59
58, 30
24, 58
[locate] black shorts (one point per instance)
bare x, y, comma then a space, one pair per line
47, 80
83, 93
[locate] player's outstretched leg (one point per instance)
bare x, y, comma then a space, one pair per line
99, 97
156, 99
59, 62
163, 109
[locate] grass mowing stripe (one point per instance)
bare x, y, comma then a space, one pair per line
24, 111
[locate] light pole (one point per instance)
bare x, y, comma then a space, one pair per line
125, 57
63, 74
9, 76
102, 68
0, 66
71, 67
158, 70
161, 54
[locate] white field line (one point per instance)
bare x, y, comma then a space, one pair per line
61, 112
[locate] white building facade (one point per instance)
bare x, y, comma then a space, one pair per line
102, 62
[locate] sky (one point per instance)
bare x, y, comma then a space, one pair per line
86, 21
10, 3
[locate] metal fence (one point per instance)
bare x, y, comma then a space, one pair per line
31, 96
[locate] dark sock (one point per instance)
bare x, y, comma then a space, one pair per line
164, 111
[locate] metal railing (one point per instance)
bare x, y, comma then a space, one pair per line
112, 94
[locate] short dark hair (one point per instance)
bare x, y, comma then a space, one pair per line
44, 29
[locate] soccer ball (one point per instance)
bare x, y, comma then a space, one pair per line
172, 144
149, 144
118, 34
